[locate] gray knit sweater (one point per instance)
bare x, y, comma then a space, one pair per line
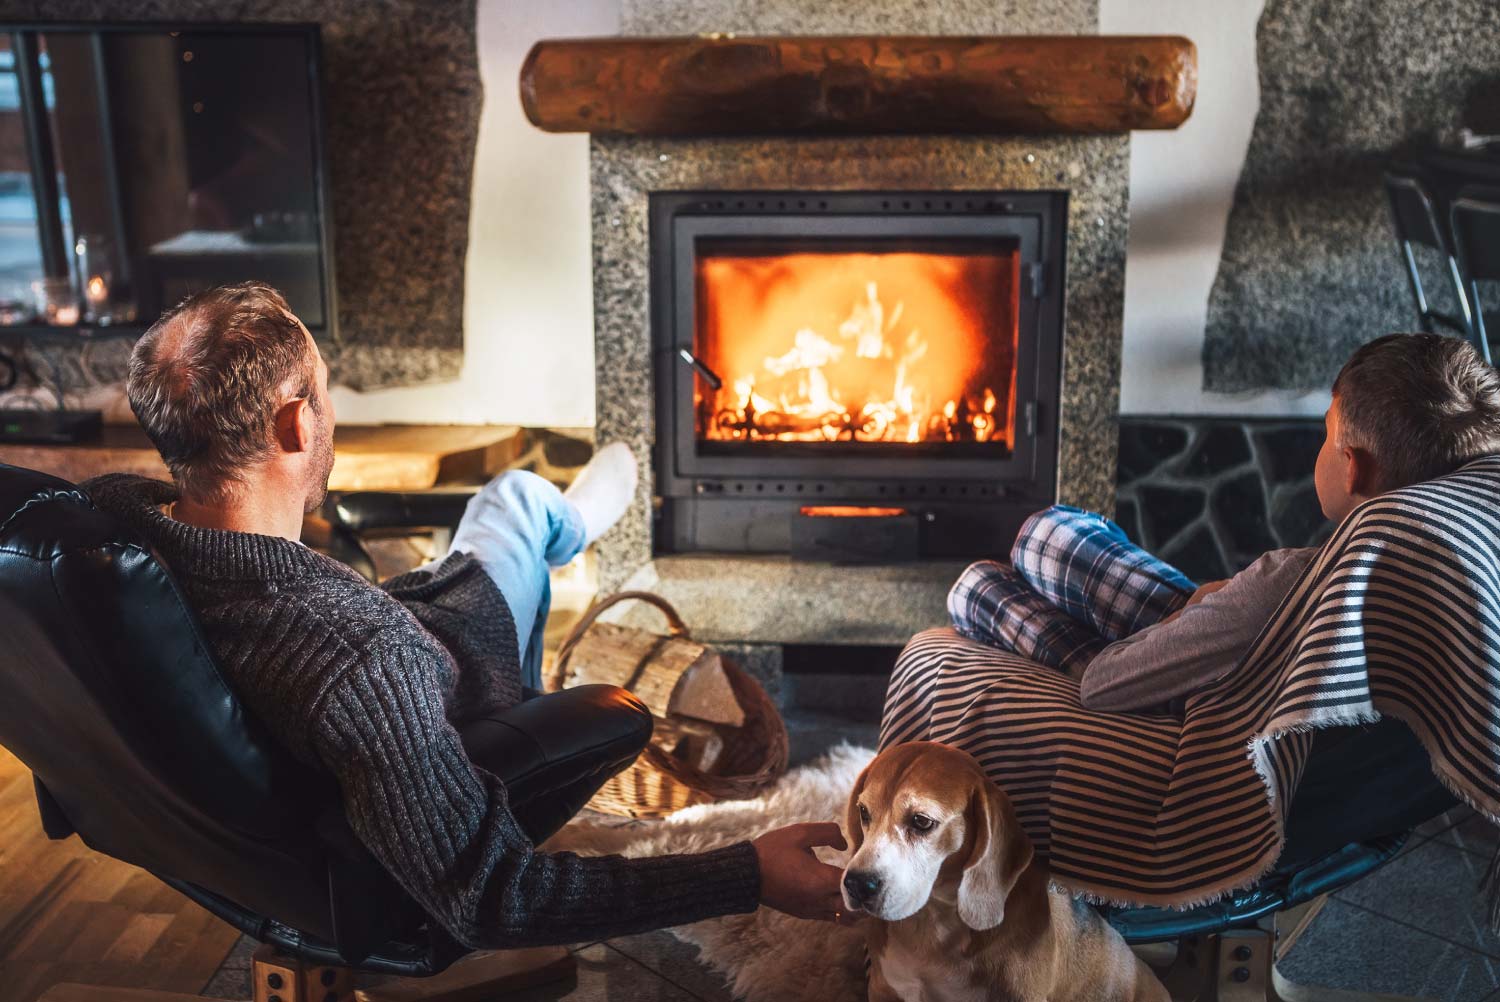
368, 684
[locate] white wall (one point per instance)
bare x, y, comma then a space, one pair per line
1181, 188
528, 295
528, 311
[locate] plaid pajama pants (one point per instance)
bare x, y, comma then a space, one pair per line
1074, 584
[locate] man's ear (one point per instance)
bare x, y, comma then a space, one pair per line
854, 832
296, 425
1001, 852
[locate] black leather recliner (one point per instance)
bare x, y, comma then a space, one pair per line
110, 695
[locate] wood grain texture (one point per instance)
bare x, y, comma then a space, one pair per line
366, 457
69, 914
70, 992
723, 85
479, 977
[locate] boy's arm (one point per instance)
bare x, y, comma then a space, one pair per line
1200, 644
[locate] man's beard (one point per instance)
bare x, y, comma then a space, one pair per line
320, 469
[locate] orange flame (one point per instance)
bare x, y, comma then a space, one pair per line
887, 347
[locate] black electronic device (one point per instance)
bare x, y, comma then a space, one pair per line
49, 427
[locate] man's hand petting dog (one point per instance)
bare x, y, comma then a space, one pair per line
792, 880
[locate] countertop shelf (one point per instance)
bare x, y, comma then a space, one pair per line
366, 457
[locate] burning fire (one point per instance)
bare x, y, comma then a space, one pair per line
894, 347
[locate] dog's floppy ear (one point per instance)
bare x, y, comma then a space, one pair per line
1000, 854
853, 830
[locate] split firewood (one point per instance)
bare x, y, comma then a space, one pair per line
671, 675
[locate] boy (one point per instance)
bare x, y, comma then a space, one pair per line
1079, 597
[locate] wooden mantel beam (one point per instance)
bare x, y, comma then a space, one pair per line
723, 85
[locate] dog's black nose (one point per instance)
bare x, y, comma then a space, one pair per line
861, 886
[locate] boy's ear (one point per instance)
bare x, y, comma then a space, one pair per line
1360, 472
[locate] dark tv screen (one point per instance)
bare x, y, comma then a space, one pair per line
143, 163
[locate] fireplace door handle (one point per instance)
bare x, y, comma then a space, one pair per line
709, 376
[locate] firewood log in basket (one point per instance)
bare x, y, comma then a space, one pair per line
718, 735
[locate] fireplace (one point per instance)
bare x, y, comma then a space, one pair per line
835, 350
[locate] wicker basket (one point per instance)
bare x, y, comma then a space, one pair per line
659, 782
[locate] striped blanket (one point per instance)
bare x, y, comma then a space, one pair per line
1398, 616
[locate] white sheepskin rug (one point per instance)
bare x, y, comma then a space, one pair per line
766, 956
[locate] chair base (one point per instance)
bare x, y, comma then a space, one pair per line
477, 978
1239, 965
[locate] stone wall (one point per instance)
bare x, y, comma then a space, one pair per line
1210, 495
402, 91
1310, 268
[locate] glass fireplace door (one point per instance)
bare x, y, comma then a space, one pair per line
826, 347
854, 348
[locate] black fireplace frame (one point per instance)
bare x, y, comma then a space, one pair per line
746, 502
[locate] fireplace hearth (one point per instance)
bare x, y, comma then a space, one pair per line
820, 348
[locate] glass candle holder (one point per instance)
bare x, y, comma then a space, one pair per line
99, 287
56, 302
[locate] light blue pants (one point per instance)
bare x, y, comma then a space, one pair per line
517, 527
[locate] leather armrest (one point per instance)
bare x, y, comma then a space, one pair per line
554, 752
546, 743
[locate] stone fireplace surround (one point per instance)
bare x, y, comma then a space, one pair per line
753, 603
771, 599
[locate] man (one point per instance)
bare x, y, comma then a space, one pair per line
368, 684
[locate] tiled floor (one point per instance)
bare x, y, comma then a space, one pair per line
1415, 927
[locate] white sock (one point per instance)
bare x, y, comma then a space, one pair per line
604, 488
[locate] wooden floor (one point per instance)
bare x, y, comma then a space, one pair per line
70, 914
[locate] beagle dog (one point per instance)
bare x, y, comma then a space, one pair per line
965, 908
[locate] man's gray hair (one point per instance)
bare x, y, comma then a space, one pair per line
208, 377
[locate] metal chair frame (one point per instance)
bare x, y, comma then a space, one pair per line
1473, 205
1400, 187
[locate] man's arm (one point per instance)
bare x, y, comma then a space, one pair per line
1199, 644
458, 604
444, 830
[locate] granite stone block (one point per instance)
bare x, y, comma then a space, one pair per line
1310, 268
889, 17
770, 599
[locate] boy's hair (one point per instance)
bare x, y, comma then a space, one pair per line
1421, 404
205, 382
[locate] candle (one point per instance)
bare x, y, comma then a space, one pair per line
96, 291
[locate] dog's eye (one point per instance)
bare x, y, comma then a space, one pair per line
922, 822
864, 814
